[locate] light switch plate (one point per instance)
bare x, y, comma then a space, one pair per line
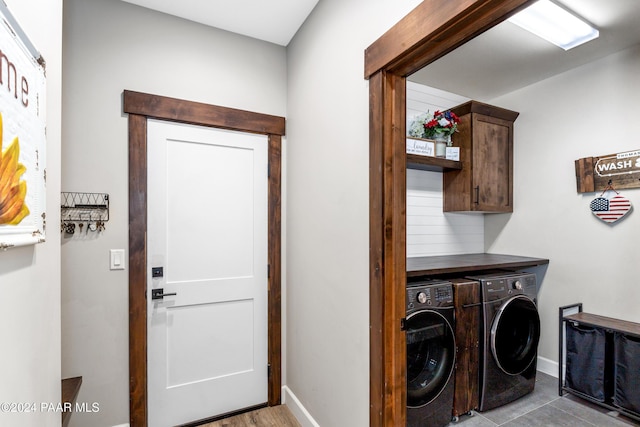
116, 259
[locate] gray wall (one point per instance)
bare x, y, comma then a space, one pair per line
589, 111
328, 208
30, 275
110, 46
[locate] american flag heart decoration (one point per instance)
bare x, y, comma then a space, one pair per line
610, 210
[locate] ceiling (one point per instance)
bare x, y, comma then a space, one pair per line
507, 58
275, 21
499, 61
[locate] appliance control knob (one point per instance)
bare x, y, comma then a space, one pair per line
517, 285
422, 297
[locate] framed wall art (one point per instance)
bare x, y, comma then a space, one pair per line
22, 137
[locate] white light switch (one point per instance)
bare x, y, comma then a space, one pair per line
116, 259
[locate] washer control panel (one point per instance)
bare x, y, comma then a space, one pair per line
501, 285
429, 294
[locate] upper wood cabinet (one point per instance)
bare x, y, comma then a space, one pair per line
485, 182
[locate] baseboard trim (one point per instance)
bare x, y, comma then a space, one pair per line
297, 409
303, 416
548, 366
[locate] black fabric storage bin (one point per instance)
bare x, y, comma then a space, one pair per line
586, 350
627, 372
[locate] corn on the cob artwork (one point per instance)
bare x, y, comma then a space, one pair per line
13, 189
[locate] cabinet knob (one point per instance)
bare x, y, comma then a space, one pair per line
477, 201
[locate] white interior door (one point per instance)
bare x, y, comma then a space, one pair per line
207, 230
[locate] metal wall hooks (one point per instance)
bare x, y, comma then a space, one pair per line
86, 227
87, 211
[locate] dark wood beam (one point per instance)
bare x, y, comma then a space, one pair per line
178, 110
433, 29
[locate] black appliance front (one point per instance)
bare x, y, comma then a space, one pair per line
431, 352
511, 333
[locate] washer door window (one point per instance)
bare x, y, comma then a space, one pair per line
515, 334
430, 356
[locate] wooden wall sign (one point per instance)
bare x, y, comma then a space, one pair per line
22, 137
621, 170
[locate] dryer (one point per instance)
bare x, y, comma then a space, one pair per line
431, 353
510, 332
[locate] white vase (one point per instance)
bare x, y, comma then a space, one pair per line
442, 142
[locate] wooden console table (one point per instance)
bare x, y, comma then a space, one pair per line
616, 389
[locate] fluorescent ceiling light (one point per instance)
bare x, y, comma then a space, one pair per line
553, 23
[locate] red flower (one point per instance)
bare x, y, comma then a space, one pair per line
431, 123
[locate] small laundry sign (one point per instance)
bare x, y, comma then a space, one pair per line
619, 169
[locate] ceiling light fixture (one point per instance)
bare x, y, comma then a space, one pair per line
555, 24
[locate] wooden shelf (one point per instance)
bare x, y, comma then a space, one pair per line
70, 390
453, 264
604, 322
428, 163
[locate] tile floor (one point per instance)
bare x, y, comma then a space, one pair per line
544, 408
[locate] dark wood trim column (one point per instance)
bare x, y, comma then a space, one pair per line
275, 273
137, 270
388, 249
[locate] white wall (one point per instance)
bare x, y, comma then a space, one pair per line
110, 46
589, 111
328, 208
30, 276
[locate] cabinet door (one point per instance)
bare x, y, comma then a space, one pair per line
492, 159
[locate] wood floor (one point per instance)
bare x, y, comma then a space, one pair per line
273, 416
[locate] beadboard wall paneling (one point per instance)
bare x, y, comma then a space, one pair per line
430, 231
421, 98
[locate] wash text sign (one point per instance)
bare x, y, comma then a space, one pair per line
622, 170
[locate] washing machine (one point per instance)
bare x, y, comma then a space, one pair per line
431, 353
510, 332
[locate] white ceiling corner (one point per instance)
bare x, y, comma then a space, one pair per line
275, 21
499, 61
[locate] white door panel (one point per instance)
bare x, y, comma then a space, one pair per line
207, 228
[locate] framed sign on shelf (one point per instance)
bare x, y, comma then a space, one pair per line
22, 137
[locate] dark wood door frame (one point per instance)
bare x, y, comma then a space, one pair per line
140, 107
433, 29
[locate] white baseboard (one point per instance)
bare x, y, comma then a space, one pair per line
297, 409
303, 416
547, 366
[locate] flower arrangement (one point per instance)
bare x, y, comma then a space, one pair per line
431, 126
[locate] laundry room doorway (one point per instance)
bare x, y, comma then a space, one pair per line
204, 257
427, 33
